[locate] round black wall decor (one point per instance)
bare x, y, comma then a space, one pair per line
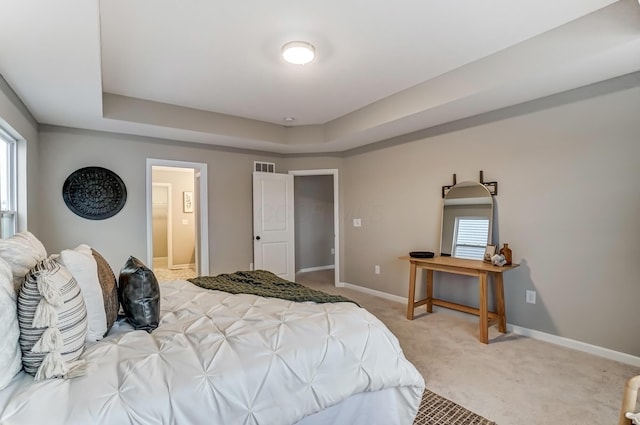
94, 193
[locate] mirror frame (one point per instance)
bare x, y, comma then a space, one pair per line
453, 198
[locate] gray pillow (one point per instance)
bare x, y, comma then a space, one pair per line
139, 295
109, 288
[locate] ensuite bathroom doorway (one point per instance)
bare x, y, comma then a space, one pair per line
174, 223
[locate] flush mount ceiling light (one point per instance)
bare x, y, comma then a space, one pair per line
298, 52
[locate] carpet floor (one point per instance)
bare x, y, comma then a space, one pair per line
513, 380
437, 410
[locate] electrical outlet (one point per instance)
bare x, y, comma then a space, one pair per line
531, 297
376, 269
333, 251
357, 222
250, 266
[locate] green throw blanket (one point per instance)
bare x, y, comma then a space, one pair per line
265, 284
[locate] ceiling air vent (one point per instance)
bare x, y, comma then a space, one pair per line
264, 167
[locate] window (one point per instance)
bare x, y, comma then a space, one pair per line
8, 185
470, 237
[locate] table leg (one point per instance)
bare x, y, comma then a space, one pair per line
429, 291
412, 291
502, 314
484, 316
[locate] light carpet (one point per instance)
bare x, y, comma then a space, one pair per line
165, 274
513, 380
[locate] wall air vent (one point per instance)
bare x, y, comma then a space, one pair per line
264, 167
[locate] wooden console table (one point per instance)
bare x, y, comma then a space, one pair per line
461, 266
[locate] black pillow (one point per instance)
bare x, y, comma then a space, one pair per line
139, 295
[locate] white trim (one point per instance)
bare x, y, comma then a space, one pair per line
576, 345
373, 292
12, 209
336, 212
315, 269
203, 206
519, 330
183, 266
173, 169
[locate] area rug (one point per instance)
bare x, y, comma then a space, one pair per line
436, 410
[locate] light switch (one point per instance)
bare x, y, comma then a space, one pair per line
357, 222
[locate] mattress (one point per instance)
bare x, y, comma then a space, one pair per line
218, 358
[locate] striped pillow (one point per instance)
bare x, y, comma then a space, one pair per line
53, 322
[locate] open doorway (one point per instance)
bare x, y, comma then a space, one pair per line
177, 235
162, 225
174, 253
316, 215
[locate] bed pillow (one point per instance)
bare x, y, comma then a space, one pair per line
21, 251
139, 295
109, 288
53, 322
83, 267
10, 354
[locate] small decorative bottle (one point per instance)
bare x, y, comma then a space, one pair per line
506, 251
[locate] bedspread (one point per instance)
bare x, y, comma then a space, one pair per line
218, 358
265, 284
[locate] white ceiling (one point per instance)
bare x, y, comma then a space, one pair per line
210, 71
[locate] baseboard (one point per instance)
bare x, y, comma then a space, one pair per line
370, 291
183, 266
576, 345
315, 269
530, 333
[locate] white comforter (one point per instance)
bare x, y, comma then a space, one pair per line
218, 358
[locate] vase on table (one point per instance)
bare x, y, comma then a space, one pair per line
506, 252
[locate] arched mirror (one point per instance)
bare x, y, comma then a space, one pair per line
467, 219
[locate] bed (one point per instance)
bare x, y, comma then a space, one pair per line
222, 358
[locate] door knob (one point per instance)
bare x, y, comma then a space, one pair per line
257, 238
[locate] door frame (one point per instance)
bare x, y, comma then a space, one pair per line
336, 213
203, 208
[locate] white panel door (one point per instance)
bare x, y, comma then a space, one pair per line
273, 225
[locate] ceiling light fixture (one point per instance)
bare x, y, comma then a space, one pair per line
298, 52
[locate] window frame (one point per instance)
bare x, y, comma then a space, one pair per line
9, 214
456, 243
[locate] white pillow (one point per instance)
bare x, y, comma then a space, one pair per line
22, 251
10, 354
53, 322
83, 267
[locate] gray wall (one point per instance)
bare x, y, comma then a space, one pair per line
64, 150
568, 206
551, 161
16, 119
313, 208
